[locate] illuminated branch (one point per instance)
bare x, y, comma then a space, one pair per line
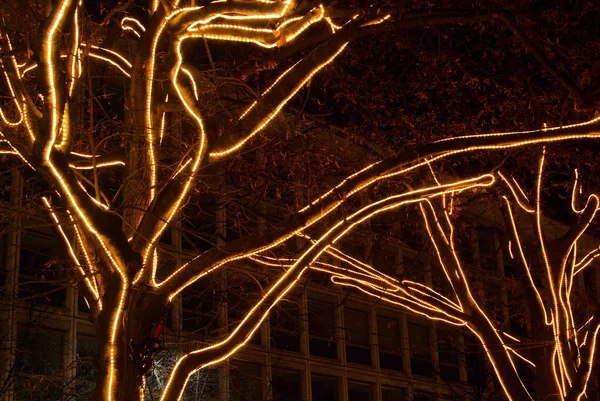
433, 311
586, 365
534, 298
28, 113
133, 25
362, 179
518, 194
373, 279
274, 99
215, 258
180, 21
213, 354
110, 56
586, 260
283, 89
85, 275
422, 155
479, 323
568, 341
414, 296
187, 17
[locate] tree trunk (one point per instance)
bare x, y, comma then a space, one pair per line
144, 311
125, 386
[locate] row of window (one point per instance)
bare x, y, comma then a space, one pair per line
286, 331
247, 383
40, 374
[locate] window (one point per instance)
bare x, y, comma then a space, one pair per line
39, 353
589, 281
199, 309
420, 356
474, 356
321, 327
240, 299
198, 227
203, 385
324, 388
87, 354
384, 260
448, 344
358, 346
492, 302
161, 369
286, 385
6, 182
517, 312
392, 394
359, 391
240, 221
40, 279
390, 347
488, 252
166, 238
285, 326
414, 267
246, 383
465, 245
422, 397
167, 264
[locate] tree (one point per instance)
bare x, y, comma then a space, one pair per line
556, 331
117, 227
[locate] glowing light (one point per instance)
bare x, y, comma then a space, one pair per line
99, 165
274, 113
519, 196
84, 155
85, 275
192, 80
524, 261
133, 25
333, 26
111, 57
5, 120
263, 37
97, 202
378, 21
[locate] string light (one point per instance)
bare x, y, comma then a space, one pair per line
133, 25
192, 80
5, 120
293, 274
378, 207
377, 21
99, 165
274, 113
548, 135
520, 196
91, 287
48, 44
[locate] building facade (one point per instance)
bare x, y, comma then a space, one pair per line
322, 343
